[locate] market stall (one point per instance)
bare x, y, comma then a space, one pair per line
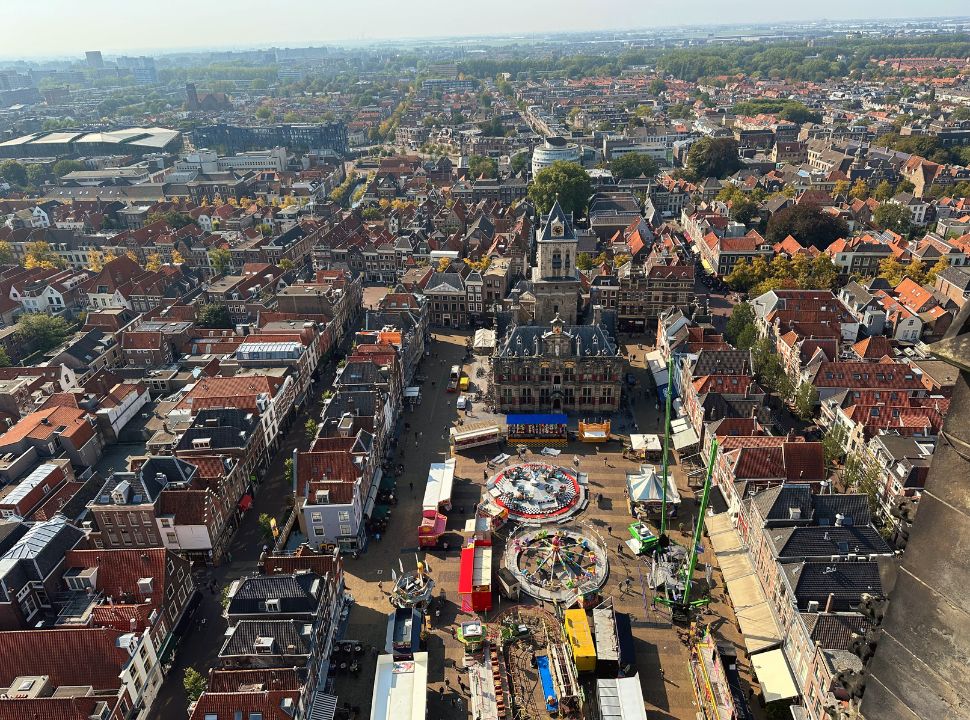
645, 491
530, 428
437, 492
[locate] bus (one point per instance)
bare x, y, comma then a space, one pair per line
580, 639
454, 378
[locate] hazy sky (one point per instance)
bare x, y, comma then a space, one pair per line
68, 27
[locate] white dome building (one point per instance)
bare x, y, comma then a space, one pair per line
554, 149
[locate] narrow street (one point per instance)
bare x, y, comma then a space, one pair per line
200, 646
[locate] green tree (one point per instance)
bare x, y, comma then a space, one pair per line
804, 400
860, 475
565, 180
742, 316
14, 173
889, 216
519, 162
833, 447
266, 526
713, 157
824, 273
36, 174
286, 264
264, 113
633, 165
213, 315
176, 219
769, 369
221, 260
883, 191
6, 253
741, 277
41, 332
310, 426
891, 270
841, 187
371, 213
940, 265
40, 255
4, 358
63, 167
859, 191
194, 683
584, 261
479, 165
807, 224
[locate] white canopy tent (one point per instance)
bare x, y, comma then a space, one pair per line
646, 443
441, 478
646, 486
484, 340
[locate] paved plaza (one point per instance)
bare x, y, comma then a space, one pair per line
661, 654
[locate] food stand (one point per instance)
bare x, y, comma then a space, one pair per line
644, 447
594, 432
645, 491
431, 529
437, 492
475, 576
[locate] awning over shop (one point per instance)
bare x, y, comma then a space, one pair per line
645, 443
324, 707
372, 493
412, 393
774, 675
755, 616
246, 502
658, 368
551, 419
684, 438
484, 339
381, 512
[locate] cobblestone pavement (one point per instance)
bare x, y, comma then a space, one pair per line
661, 656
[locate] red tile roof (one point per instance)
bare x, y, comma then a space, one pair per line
224, 706
60, 654
44, 424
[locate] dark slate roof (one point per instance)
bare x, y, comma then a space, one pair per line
588, 339
445, 282
556, 213
776, 503
361, 373
241, 639
297, 594
722, 362
41, 548
357, 403
845, 581
834, 631
853, 508
818, 542
717, 407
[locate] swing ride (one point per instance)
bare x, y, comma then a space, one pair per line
559, 565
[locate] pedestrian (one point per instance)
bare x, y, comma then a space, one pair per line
437, 614
448, 683
454, 701
380, 586
484, 474
461, 509
619, 548
609, 529
411, 485
605, 461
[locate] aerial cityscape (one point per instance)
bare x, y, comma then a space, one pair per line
540, 360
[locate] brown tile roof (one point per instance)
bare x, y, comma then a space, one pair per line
238, 392
44, 424
118, 575
59, 654
224, 706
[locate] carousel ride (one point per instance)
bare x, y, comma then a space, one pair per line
561, 565
412, 589
536, 493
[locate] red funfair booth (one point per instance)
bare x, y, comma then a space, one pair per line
475, 577
431, 529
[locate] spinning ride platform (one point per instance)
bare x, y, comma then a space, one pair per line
558, 565
412, 589
535, 493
